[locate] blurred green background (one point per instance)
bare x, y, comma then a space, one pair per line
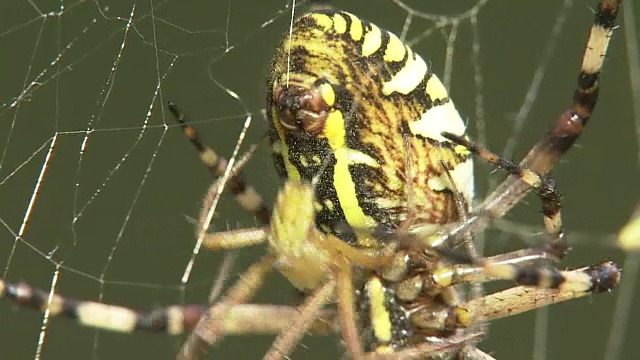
115, 211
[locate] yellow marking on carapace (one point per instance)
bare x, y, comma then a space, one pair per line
406, 80
323, 20
329, 205
292, 171
395, 49
356, 27
435, 88
339, 24
380, 317
335, 133
462, 175
372, 41
437, 120
303, 161
328, 95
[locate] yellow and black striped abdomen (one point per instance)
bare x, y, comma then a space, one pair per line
350, 103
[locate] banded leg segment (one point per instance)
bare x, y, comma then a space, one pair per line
245, 194
544, 155
243, 319
171, 320
544, 186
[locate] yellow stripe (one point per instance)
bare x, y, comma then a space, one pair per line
395, 49
380, 319
435, 89
356, 27
462, 175
372, 41
328, 95
406, 80
323, 20
434, 121
292, 171
334, 131
339, 24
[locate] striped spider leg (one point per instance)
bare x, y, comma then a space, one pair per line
245, 194
532, 173
243, 319
238, 317
545, 154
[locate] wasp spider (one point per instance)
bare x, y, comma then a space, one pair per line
379, 174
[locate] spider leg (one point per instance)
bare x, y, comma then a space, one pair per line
519, 299
544, 155
557, 244
245, 194
240, 319
308, 312
211, 327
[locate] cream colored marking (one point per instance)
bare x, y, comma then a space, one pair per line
501, 271
380, 322
358, 157
316, 160
576, 281
629, 236
386, 203
339, 23
329, 205
108, 317
406, 80
438, 119
462, 175
323, 20
175, 319
209, 157
395, 49
356, 27
56, 305
372, 41
328, 95
249, 199
317, 206
593, 60
435, 88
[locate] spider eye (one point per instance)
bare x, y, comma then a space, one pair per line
300, 108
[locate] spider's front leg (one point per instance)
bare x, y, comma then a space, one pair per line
556, 245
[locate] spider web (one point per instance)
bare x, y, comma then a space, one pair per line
98, 185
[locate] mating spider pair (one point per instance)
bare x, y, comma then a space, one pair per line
379, 174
